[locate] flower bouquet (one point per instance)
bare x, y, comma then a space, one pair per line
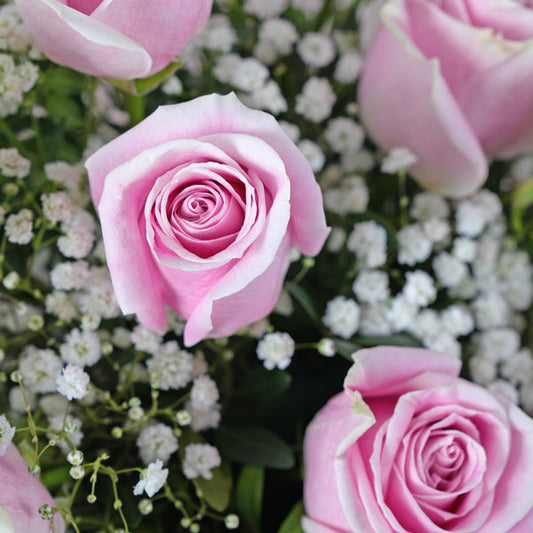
266, 266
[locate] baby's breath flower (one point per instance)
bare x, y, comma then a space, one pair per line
276, 350
204, 393
171, 367
6, 434
316, 50
81, 348
19, 227
73, 382
156, 442
199, 460
342, 316
316, 99
13, 164
40, 369
152, 479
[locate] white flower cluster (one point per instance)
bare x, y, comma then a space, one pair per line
276, 350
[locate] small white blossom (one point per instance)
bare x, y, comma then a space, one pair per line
350, 197
343, 134
77, 241
218, 35
519, 367
315, 101
449, 270
40, 369
70, 275
202, 420
313, 153
419, 288
199, 460
500, 386
429, 205
401, 313
19, 227
426, 324
464, 249
457, 320
172, 86
81, 348
491, 310
443, 342
342, 316
316, 49
152, 479
368, 240
73, 382
348, 67
170, 367
225, 66
57, 207
371, 286
60, 422
437, 229
13, 164
269, 97
498, 344
249, 75
375, 320
264, 10
6, 434
156, 442
276, 350
64, 173
145, 339
326, 347
398, 158
470, 218
280, 34
308, 7
204, 393
414, 246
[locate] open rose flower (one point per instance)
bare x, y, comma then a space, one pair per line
451, 81
200, 205
410, 447
21, 496
123, 39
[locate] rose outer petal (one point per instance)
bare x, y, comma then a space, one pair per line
405, 102
163, 28
22, 495
73, 39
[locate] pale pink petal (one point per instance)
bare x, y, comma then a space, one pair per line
388, 370
163, 29
311, 526
405, 102
22, 494
71, 38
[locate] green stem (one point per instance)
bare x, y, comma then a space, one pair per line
135, 107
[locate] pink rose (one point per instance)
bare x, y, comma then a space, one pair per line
116, 38
21, 496
200, 205
451, 81
410, 447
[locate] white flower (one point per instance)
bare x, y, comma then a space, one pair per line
70, 275
145, 339
348, 67
414, 246
276, 350
40, 369
170, 367
12, 164
350, 197
316, 49
204, 393
437, 229
443, 342
81, 348
57, 207
457, 320
225, 66
371, 286
375, 320
156, 442
398, 158
316, 99
6, 434
249, 75
500, 386
172, 86
343, 134
152, 479
60, 422
199, 460
470, 218
426, 324
263, 10
73, 382
308, 7
313, 153
419, 288
280, 34
482, 369
342, 316
203, 420
19, 227
464, 249
368, 240
218, 35
326, 347
401, 313
77, 241
449, 270
269, 97
429, 205
519, 367
491, 310
498, 344
64, 173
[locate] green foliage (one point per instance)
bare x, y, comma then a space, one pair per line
292, 524
249, 496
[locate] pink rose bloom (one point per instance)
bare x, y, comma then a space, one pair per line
200, 205
409, 447
21, 496
451, 81
115, 38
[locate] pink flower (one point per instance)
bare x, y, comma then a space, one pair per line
200, 205
21, 496
410, 447
116, 38
450, 81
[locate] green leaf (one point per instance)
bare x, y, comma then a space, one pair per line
292, 524
400, 339
264, 385
346, 349
249, 496
52, 479
522, 199
301, 296
217, 490
254, 446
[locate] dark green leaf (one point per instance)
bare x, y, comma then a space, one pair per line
346, 349
292, 524
249, 496
521, 200
301, 296
217, 490
400, 339
254, 446
264, 385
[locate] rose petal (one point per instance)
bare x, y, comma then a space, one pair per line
93, 47
422, 116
